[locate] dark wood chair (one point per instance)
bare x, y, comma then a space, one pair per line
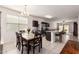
58, 36
23, 44
18, 44
36, 42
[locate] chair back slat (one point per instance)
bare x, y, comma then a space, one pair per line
18, 36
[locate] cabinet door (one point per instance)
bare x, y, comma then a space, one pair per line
75, 31
48, 36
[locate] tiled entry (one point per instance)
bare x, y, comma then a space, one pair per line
48, 48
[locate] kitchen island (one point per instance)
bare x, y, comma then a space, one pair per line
54, 36
50, 36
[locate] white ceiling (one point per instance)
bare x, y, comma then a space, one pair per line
53, 10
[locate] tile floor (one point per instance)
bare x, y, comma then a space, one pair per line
48, 48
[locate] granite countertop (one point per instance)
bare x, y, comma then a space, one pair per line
52, 30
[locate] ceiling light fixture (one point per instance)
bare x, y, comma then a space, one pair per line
48, 16
25, 12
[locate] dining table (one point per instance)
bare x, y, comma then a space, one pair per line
28, 38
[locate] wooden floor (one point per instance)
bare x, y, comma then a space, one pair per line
71, 48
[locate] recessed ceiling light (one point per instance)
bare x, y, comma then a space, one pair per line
48, 16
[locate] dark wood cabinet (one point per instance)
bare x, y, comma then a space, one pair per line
45, 24
75, 29
48, 36
35, 23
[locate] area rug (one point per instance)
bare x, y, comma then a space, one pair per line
70, 48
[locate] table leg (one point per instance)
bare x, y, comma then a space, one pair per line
60, 38
28, 47
41, 41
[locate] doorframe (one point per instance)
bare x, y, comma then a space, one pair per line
0, 27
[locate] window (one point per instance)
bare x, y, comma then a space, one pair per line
64, 27
14, 24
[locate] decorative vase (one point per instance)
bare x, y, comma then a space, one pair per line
28, 30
